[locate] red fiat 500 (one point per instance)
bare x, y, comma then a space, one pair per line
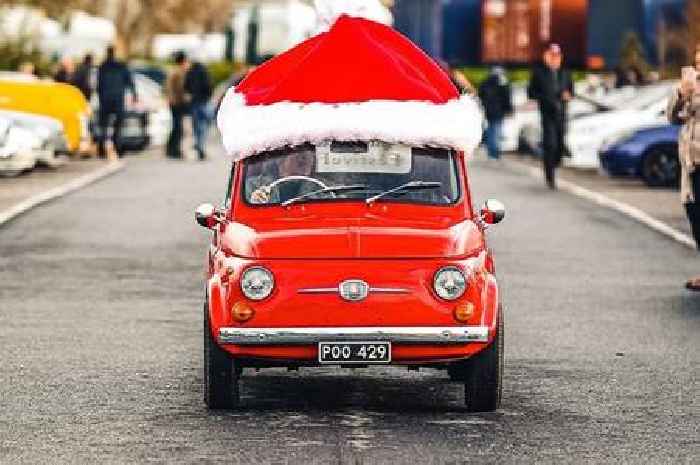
352, 254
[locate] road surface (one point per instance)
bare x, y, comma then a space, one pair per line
100, 329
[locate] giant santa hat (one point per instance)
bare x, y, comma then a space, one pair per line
360, 80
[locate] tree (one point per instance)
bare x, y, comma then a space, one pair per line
632, 54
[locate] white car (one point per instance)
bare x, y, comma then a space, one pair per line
49, 139
587, 135
16, 148
521, 130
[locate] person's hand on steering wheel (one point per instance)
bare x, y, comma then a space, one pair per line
261, 194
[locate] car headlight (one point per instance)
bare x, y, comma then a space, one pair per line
450, 283
257, 283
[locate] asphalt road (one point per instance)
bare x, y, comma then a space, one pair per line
100, 331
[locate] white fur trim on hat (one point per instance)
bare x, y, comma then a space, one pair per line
250, 129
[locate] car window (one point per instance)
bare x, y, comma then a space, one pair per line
277, 176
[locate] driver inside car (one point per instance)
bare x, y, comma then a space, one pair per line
300, 163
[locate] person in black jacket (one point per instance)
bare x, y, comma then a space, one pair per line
113, 81
198, 86
552, 87
496, 97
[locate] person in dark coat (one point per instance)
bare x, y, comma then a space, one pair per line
198, 86
496, 97
113, 81
551, 86
82, 78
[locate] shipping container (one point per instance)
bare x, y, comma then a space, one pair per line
516, 31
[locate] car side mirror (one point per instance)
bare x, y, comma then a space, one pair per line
207, 215
493, 212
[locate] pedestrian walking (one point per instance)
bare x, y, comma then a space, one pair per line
552, 88
684, 108
198, 87
83, 78
496, 97
178, 100
113, 81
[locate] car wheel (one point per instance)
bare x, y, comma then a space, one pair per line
661, 167
483, 383
221, 375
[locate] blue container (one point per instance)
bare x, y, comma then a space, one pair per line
461, 39
421, 21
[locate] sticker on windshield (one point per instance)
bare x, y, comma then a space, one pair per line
379, 158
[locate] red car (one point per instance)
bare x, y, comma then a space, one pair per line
348, 236
352, 254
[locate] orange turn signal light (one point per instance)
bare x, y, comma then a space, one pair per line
464, 311
242, 312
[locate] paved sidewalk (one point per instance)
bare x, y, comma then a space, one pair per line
661, 204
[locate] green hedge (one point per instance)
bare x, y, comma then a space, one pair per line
477, 75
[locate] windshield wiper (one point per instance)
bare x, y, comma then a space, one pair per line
409, 186
330, 189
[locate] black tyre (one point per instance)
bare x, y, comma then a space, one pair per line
661, 167
221, 376
483, 383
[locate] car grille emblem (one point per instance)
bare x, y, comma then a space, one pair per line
353, 290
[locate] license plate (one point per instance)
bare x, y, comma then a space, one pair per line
354, 352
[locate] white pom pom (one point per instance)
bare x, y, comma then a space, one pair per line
328, 11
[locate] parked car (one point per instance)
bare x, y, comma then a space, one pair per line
50, 142
16, 148
411, 281
649, 153
586, 135
56, 100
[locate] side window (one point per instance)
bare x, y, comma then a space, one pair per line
229, 187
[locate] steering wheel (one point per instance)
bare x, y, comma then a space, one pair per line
279, 181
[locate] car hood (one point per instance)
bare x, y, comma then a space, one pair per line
366, 238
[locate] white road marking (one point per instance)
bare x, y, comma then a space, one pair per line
621, 207
59, 191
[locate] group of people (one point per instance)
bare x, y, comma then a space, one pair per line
552, 87
188, 90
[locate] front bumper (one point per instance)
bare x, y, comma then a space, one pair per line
397, 334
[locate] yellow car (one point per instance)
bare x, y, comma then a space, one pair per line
61, 101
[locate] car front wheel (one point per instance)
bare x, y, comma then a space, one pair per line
661, 167
483, 375
221, 375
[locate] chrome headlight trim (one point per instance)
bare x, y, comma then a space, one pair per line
260, 289
457, 281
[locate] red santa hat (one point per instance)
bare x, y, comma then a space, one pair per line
360, 80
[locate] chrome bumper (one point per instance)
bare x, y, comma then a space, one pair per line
399, 334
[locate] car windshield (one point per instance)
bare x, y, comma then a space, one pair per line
352, 171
